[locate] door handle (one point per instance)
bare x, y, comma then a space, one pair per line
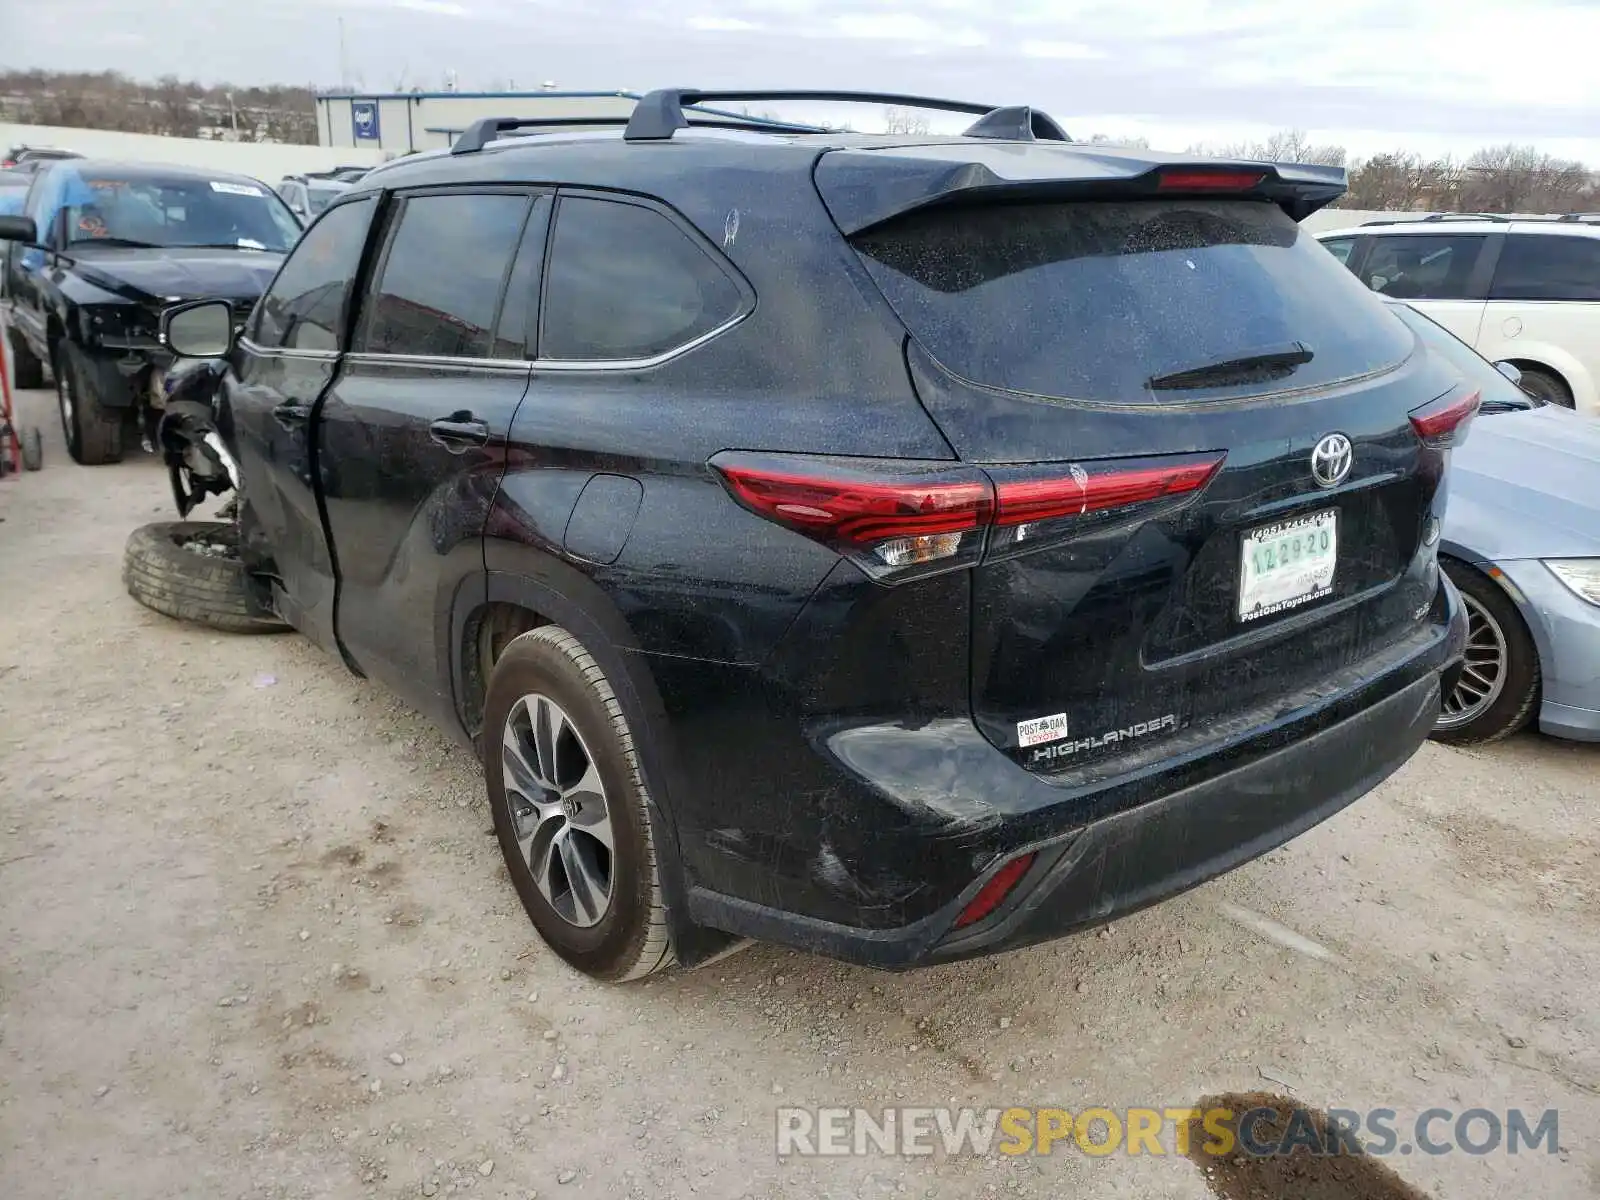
459, 432
289, 414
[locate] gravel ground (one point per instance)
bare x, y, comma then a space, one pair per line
256, 941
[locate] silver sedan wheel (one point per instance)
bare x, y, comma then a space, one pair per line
559, 810
1483, 675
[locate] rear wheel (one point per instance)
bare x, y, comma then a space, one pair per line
93, 431
571, 809
1547, 386
1499, 683
26, 369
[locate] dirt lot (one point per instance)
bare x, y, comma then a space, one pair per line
256, 941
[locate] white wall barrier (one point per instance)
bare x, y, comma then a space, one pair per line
268, 162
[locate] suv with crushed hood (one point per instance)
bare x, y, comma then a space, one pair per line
99, 250
902, 548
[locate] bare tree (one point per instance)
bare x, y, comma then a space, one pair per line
1131, 143
1284, 146
905, 121
1390, 181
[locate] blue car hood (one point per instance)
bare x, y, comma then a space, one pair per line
1526, 485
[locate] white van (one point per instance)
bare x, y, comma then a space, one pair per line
1521, 290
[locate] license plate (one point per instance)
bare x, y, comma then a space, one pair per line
1286, 565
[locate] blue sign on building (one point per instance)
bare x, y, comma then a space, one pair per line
364, 120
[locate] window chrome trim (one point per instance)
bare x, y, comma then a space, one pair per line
642, 364
374, 358
287, 351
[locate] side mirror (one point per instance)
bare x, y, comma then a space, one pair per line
203, 329
19, 229
1511, 371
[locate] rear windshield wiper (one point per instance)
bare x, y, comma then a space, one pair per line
1270, 362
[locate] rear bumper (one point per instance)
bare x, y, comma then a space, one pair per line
1284, 777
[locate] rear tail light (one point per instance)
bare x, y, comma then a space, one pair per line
1444, 422
1202, 179
890, 517
993, 893
898, 519
1042, 502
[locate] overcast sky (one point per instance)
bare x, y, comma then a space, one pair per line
1434, 75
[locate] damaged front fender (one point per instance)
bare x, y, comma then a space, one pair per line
198, 463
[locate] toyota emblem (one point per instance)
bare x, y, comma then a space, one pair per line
1331, 460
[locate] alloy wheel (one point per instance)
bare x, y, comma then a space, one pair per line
1483, 674
559, 810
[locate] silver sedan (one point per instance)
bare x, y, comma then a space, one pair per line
1522, 542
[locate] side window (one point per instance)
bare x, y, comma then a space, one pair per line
1539, 266
1340, 248
624, 282
1422, 266
514, 332
304, 308
440, 282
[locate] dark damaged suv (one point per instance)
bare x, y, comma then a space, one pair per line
904, 549
99, 249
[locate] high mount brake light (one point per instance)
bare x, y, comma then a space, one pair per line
897, 519
1444, 422
1204, 180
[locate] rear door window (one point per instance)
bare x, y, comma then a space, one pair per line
1548, 266
1097, 301
438, 291
626, 283
1423, 266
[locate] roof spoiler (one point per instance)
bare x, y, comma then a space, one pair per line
861, 188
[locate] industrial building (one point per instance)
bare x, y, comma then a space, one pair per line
400, 122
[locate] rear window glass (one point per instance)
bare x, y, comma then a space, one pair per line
1093, 301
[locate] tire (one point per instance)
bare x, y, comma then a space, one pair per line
547, 676
93, 431
1547, 386
1493, 622
162, 572
26, 370
32, 449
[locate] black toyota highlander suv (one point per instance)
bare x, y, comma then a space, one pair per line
902, 548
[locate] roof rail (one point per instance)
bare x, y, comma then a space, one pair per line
660, 114
1579, 216
489, 129
1497, 217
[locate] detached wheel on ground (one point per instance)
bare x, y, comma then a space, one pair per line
93, 431
32, 448
1546, 386
1499, 684
26, 370
190, 570
570, 808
